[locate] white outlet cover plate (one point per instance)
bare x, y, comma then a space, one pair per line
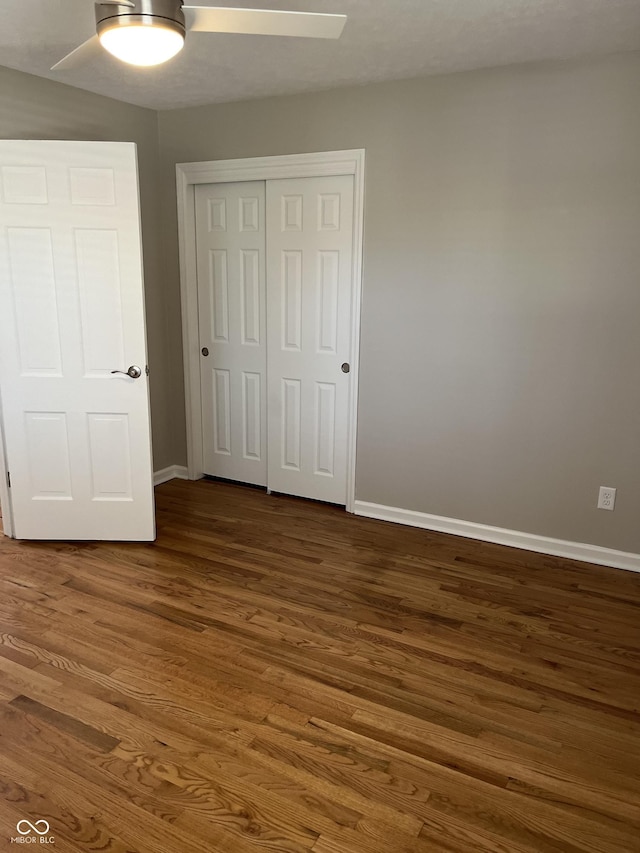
607, 498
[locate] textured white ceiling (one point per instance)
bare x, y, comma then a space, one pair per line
383, 40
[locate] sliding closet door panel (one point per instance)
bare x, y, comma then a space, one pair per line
309, 275
230, 233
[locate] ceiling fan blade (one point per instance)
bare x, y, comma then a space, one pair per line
263, 22
87, 51
115, 3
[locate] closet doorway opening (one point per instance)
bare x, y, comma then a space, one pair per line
271, 268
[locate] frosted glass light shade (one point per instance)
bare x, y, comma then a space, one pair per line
141, 44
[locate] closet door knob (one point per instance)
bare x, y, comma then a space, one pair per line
346, 367
205, 351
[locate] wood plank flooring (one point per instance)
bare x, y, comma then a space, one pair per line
275, 675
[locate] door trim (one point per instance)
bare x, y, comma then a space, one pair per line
5, 497
188, 175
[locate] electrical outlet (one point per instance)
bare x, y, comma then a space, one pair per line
607, 498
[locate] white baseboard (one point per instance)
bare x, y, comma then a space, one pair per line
173, 472
501, 536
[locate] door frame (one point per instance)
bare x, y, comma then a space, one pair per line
316, 165
5, 496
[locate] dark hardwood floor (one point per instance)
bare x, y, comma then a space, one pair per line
275, 675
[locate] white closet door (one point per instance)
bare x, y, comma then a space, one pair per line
309, 274
230, 237
77, 436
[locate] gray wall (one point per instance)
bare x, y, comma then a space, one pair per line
33, 108
500, 372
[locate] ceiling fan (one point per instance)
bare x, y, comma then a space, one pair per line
149, 32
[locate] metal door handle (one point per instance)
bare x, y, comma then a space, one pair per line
346, 367
134, 372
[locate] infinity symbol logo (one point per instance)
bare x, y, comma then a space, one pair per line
32, 827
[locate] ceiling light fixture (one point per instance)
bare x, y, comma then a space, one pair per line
142, 45
142, 39
149, 32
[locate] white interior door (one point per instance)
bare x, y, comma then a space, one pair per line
77, 436
309, 275
230, 237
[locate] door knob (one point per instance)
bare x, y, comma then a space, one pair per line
134, 372
346, 367
205, 351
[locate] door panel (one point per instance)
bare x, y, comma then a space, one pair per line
309, 273
99, 285
77, 437
32, 284
230, 237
